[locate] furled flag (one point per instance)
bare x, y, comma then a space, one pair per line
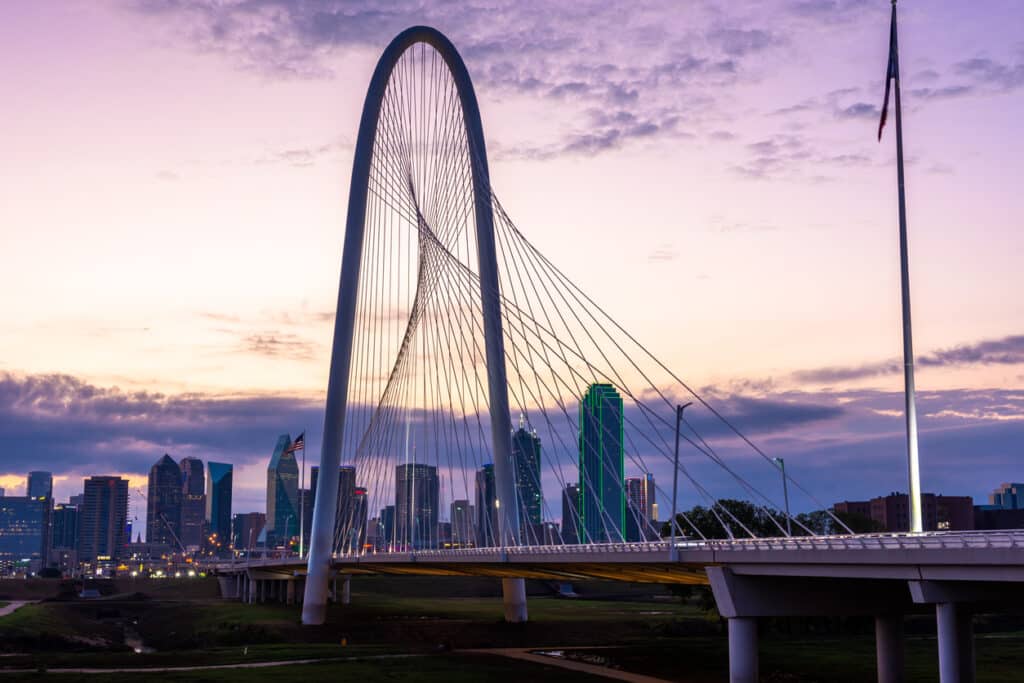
299, 443
892, 71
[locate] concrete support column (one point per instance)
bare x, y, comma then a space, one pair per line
290, 595
261, 588
513, 592
346, 590
889, 651
743, 650
956, 643
334, 590
250, 590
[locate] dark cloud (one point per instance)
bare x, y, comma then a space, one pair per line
831, 11
69, 424
1002, 76
859, 110
839, 445
739, 42
1005, 351
944, 93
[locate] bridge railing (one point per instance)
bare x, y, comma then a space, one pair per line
935, 540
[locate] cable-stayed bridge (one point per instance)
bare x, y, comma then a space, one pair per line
452, 327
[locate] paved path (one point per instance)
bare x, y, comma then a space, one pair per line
527, 654
208, 667
14, 605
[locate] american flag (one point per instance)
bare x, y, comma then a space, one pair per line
892, 71
299, 444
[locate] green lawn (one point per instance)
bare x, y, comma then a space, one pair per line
451, 668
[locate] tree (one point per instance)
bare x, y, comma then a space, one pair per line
734, 514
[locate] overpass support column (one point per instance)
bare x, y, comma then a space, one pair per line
290, 597
889, 647
346, 590
956, 643
743, 650
513, 593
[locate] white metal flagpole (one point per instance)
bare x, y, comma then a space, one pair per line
916, 525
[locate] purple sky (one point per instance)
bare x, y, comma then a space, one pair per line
174, 187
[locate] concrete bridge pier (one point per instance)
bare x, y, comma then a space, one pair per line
742, 597
956, 643
346, 589
743, 659
953, 619
513, 593
889, 651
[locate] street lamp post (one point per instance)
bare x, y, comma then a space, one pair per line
781, 464
673, 551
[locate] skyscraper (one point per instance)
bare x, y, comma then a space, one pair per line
193, 503
487, 531
570, 514
246, 528
343, 515
602, 465
354, 526
526, 457
24, 522
640, 505
219, 478
387, 525
345, 520
64, 527
462, 514
283, 514
163, 503
417, 490
103, 519
40, 485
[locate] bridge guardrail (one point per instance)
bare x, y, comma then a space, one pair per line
936, 540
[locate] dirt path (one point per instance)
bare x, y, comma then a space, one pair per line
15, 605
527, 654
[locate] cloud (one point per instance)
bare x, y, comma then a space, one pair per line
1004, 351
1000, 75
69, 423
944, 93
278, 345
663, 254
661, 72
837, 444
830, 11
859, 110
740, 42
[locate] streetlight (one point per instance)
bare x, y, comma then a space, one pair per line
673, 553
781, 464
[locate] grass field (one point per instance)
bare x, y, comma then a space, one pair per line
633, 629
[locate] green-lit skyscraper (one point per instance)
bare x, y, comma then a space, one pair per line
602, 466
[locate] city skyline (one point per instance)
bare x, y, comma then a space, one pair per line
799, 360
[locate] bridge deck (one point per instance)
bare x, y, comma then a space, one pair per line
974, 556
